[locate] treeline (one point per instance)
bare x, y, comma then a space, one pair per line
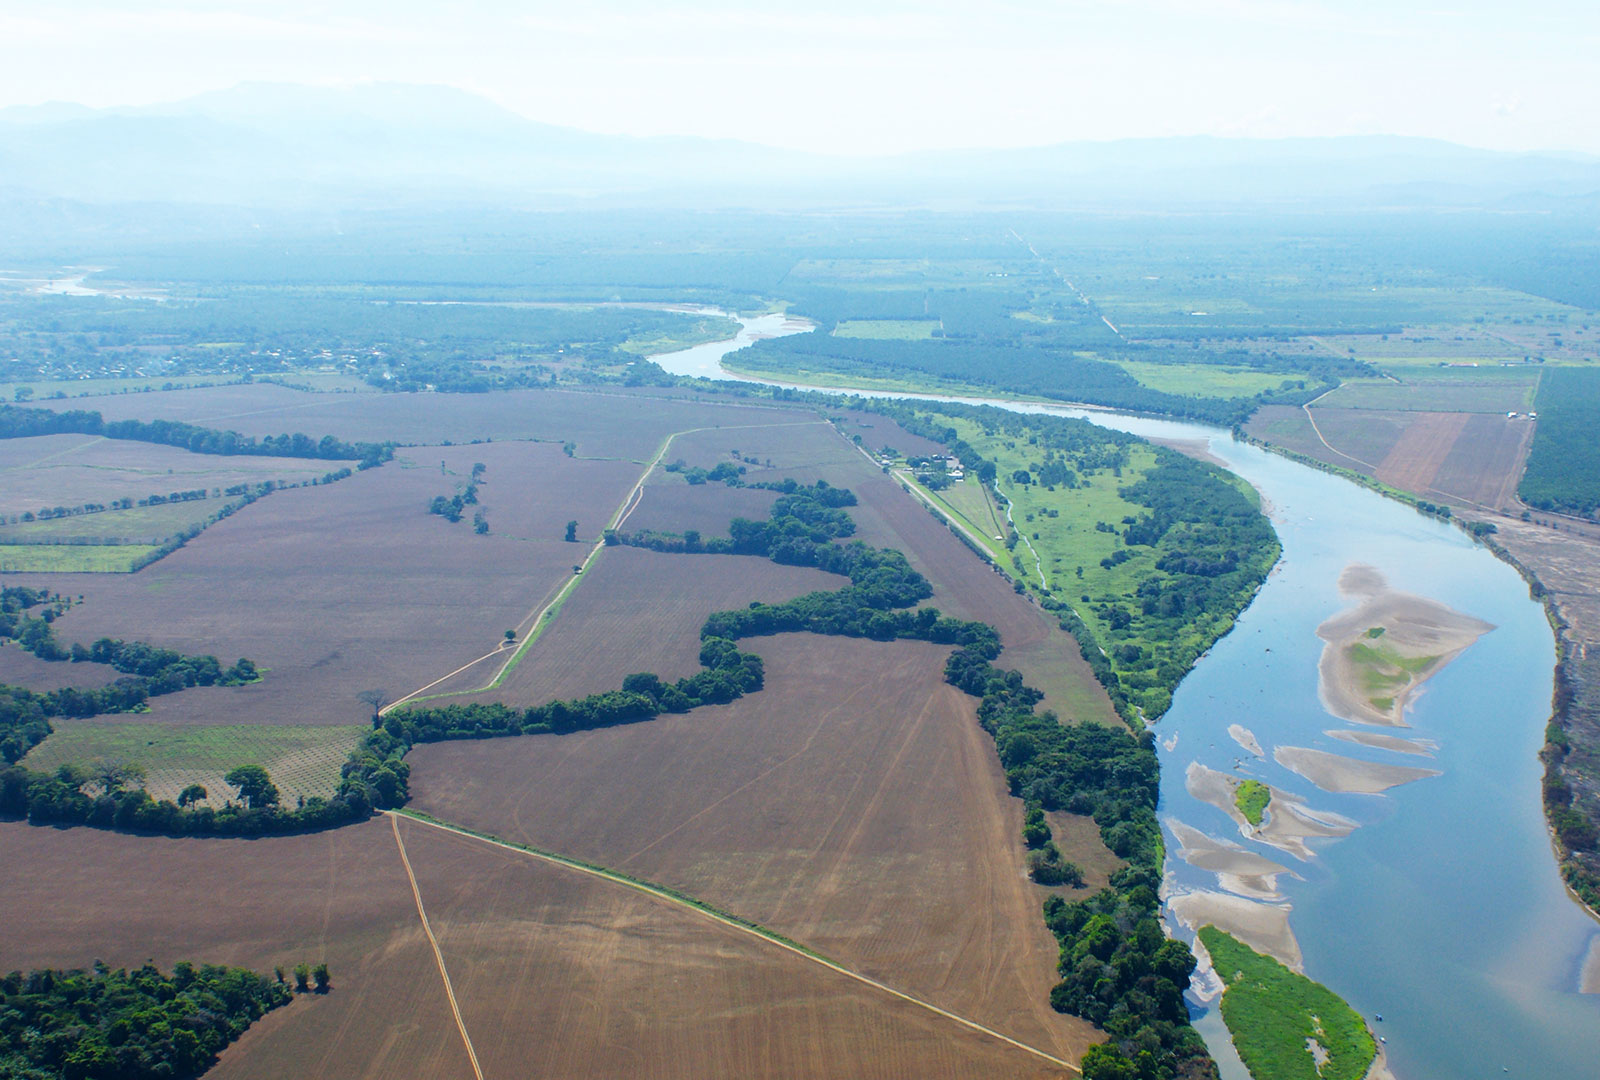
17, 422
1563, 472
1118, 968
127, 1025
1052, 374
148, 672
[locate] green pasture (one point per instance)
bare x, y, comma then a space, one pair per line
71, 558
303, 760
887, 329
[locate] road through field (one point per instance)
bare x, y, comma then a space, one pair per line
533, 625
427, 928
706, 912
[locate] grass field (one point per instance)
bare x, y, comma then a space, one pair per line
1252, 797
139, 524
303, 761
71, 559
887, 329
1274, 1015
1465, 394
1205, 380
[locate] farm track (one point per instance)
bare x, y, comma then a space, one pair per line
427, 928
533, 625
703, 910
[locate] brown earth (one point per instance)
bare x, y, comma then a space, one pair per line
626, 425
21, 668
71, 470
339, 897
637, 610
1421, 449
672, 506
1486, 461
853, 804
351, 586
556, 974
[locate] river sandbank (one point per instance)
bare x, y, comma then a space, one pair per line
1345, 775
1379, 653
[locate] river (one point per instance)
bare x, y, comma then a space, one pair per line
1443, 911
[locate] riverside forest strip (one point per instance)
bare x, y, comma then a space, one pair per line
701, 908
1149, 555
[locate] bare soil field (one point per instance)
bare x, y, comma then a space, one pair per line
20, 668
1466, 458
1420, 450
638, 610
802, 450
629, 426
1486, 461
556, 974
341, 897
671, 505
560, 975
853, 804
71, 470
339, 589
1490, 393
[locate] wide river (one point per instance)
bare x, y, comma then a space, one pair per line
1443, 911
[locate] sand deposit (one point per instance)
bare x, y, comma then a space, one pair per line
1334, 772
1245, 738
1380, 652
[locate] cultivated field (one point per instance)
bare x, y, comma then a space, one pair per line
71, 470
556, 974
670, 505
636, 610
601, 424
303, 761
853, 804
1469, 459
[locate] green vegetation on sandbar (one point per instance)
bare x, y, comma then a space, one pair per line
1274, 1016
1375, 632
1252, 797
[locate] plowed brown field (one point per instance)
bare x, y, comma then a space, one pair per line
352, 586
637, 610
853, 804
556, 974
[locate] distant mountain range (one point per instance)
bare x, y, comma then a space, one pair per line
291, 149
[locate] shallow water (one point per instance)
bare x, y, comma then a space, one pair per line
1443, 912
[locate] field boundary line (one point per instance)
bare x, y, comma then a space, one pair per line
700, 907
537, 620
450, 992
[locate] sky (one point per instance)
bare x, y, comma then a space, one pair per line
870, 77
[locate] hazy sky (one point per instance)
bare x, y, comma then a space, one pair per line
871, 76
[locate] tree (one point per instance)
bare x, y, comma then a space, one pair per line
112, 776
192, 794
572, 532
478, 470
377, 699
302, 978
511, 635
255, 786
319, 975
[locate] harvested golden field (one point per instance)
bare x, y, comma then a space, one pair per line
853, 804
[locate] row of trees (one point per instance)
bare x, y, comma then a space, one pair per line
148, 671
17, 422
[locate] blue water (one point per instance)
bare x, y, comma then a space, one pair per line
1444, 911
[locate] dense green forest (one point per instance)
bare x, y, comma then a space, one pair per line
1563, 471
127, 1025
